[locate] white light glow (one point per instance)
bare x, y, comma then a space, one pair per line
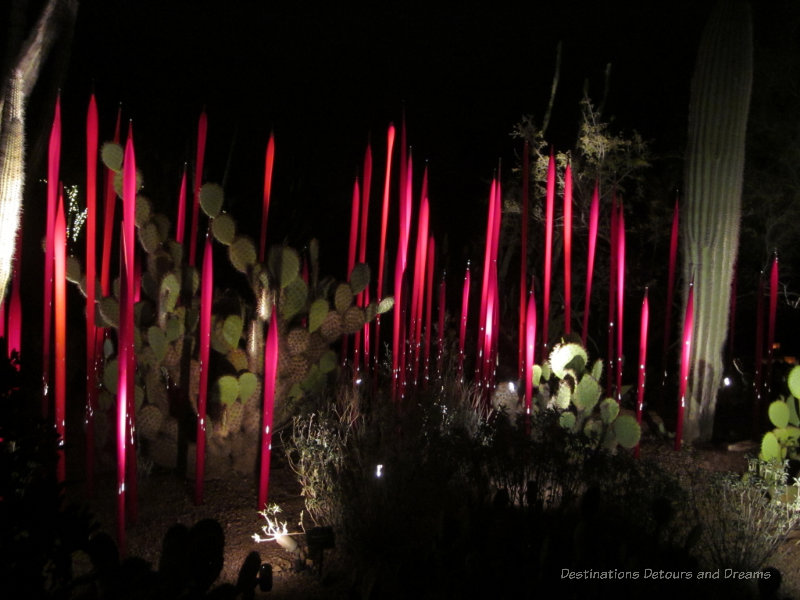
379, 471
275, 531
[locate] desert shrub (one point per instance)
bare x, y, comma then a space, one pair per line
745, 518
433, 486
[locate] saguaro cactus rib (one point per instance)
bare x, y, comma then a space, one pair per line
720, 101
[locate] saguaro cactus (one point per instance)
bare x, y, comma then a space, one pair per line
14, 91
719, 104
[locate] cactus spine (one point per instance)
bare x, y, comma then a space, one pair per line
720, 100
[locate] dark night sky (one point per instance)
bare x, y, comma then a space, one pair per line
326, 79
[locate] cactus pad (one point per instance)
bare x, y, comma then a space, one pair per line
587, 393
227, 387
793, 381
568, 359
148, 421
342, 298
331, 327
317, 313
359, 278
73, 270
172, 358
174, 325
293, 298
385, 305
242, 253
109, 309
536, 375
144, 210
149, 237
112, 155
110, 376
234, 412
353, 319
290, 266
563, 396
567, 420
223, 227
158, 342
627, 431
296, 368
779, 413
297, 341
248, 385
328, 362
770, 448
232, 329
211, 198
316, 346
163, 225
597, 369
175, 251
238, 359
609, 409
168, 294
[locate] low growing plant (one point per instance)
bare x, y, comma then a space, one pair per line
745, 518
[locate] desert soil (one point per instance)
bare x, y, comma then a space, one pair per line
165, 499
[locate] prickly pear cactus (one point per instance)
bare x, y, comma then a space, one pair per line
566, 384
783, 442
311, 317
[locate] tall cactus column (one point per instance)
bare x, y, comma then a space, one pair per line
720, 100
